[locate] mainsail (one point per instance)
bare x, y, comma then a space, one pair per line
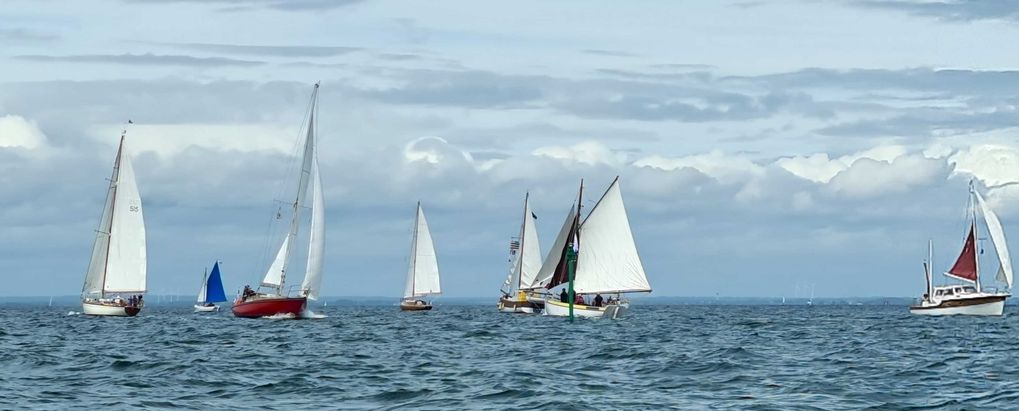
553, 270
205, 286
309, 174
608, 259
118, 262
213, 288
528, 256
423, 274
998, 239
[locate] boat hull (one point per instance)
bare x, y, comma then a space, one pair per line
206, 308
268, 306
507, 305
977, 305
415, 305
109, 310
561, 309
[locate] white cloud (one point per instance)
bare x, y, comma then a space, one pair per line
168, 140
724, 168
867, 177
990, 163
18, 132
820, 168
589, 153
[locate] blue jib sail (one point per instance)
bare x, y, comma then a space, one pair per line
214, 286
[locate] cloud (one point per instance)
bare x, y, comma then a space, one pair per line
18, 132
284, 5
14, 36
261, 50
949, 10
821, 169
142, 59
587, 153
725, 169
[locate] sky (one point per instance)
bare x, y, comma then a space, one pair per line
764, 148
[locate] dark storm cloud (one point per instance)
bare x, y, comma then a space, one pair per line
142, 59
950, 10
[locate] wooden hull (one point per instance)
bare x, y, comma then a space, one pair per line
416, 305
109, 310
561, 309
978, 305
268, 306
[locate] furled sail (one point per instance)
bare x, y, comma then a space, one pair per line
553, 270
998, 239
126, 260
213, 288
316, 246
965, 267
423, 275
608, 259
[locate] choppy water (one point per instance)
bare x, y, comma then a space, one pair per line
471, 357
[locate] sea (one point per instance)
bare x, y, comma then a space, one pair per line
463, 357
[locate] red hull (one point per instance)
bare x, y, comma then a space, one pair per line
265, 307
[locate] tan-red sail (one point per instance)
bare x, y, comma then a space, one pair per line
965, 267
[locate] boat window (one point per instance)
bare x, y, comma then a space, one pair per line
970, 289
939, 292
949, 292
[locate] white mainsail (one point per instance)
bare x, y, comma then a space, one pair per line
94, 277
555, 254
608, 260
124, 267
423, 275
316, 247
528, 261
998, 239
205, 286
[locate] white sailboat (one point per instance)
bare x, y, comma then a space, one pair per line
277, 299
520, 290
969, 297
606, 260
115, 280
423, 273
211, 292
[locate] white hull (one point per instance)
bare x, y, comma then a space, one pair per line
516, 310
106, 310
991, 308
560, 309
206, 309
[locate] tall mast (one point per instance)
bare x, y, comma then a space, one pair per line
414, 252
571, 255
520, 252
976, 238
302, 187
113, 209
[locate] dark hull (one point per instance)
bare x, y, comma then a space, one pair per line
267, 307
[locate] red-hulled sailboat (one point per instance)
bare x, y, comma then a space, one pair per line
275, 299
969, 297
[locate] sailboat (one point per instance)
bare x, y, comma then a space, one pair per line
593, 257
272, 297
212, 291
969, 297
423, 274
521, 285
115, 280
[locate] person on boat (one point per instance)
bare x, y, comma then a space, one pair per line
598, 300
564, 296
579, 300
248, 292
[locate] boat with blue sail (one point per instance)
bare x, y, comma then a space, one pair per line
212, 291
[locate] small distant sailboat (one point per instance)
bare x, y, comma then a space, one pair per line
969, 298
519, 289
212, 291
596, 256
115, 280
277, 300
423, 274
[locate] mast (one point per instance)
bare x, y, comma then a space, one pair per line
976, 238
520, 250
414, 253
571, 253
929, 270
302, 186
113, 209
